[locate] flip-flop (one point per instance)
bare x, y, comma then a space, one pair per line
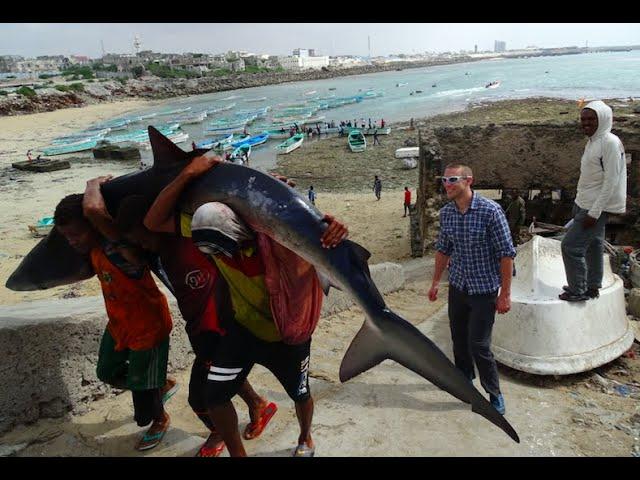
211, 451
303, 450
170, 393
254, 429
151, 440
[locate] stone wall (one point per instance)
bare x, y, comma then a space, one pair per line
50, 350
533, 156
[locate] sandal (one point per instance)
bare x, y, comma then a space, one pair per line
151, 440
303, 450
254, 429
214, 451
166, 396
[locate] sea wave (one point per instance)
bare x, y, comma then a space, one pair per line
457, 92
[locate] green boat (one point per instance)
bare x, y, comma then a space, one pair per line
357, 142
291, 144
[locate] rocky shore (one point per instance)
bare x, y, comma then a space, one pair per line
152, 87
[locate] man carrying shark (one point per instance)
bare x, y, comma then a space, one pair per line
273, 320
202, 296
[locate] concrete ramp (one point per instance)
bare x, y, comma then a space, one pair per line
547, 336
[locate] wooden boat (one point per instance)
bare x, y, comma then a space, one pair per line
253, 141
291, 144
42, 165
214, 142
241, 154
174, 111
356, 141
70, 147
547, 336
312, 120
42, 228
191, 119
279, 133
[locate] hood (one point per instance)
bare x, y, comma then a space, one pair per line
605, 117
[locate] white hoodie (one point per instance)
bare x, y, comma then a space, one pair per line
602, 186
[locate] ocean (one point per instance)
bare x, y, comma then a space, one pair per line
444, 89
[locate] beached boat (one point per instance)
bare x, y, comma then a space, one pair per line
312, 120
254, 141
175, 137
227, 125
69, 148
117, 124
73, 139
372, 94
191, 119
407, 152
241, 154
379, 130
544, 335
291, 144
143, 117
279, 133
214, 142
330, 130
42, 228
357, 142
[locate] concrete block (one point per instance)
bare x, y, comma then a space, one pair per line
634, 302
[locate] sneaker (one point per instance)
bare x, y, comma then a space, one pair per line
498, 403
572, 297
591, 292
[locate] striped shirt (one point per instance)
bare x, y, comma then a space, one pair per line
475, 241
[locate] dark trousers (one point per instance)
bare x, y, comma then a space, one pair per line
471, 320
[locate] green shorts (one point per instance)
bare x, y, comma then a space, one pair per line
134, 370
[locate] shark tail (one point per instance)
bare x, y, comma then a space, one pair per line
389, 336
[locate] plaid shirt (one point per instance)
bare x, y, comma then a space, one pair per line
475, 242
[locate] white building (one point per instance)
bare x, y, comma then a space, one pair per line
296, 63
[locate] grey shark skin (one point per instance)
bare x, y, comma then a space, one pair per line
270, 206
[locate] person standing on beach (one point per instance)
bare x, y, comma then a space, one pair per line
312, 195
475, 243
602, 189
375, 137
29, 155
377, 186
134, 349
407, 200
382, 123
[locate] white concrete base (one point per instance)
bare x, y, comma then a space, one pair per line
547, 336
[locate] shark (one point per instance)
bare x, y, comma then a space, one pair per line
272, 207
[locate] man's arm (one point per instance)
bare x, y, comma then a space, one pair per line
94, 208
160, 217
442, 261
503, 303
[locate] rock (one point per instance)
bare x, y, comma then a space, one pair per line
96, 90
10, 450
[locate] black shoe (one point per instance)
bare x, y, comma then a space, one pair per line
572, 297
591, 292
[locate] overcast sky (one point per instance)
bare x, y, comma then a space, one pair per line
33, 39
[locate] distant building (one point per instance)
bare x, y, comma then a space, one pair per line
79, 60
499, 46
475, 49
301, 52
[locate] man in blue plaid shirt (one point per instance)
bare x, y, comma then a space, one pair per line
475, 242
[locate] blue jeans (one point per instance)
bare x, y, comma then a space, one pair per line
582, 251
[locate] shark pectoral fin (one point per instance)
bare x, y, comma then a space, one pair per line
366, 351
325, 283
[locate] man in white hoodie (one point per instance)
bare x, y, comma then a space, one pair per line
602, 189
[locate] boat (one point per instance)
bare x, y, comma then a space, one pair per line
495, 84
117, 124
328, 130
213, 142
71, 139
408, 152
141, 118
332, 88
69, 148
175, 137
544, 335
253, 141
409, 163
312, 120
241, 154
279, 133
42, 228
371, 94
401, 84
291, 144
356, 141
311, 92
261, 99
191, 119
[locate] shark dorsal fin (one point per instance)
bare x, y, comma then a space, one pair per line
166, 153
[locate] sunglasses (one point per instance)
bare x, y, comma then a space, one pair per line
454, 179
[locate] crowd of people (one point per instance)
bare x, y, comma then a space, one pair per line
222, 273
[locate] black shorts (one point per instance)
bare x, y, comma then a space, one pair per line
204, 345
239, 350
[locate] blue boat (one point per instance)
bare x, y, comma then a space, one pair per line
253, 141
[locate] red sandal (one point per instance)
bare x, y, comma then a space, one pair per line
254, 429
214, 451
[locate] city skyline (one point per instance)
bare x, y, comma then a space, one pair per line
32, 40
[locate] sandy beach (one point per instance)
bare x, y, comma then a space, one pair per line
389, 411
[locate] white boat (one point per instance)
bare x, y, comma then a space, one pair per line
409, 163
191, 119
311, 92
408, 152
493, 84
544, 335
291, 144
401, 84
380, 130
312, 120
